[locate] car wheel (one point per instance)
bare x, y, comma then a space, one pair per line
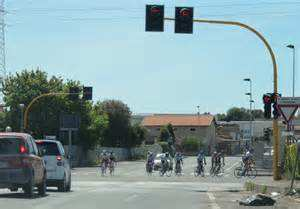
29, 188
42, 187
68, 189
62, 185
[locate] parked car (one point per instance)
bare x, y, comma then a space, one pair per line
20, 164
157, 161
57, 164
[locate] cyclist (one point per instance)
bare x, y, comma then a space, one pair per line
218, 160
178, 162
200, 161
104, 158
247, 160
150, 160
213, 159
166, 162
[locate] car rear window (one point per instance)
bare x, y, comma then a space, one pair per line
10, 146
48, 148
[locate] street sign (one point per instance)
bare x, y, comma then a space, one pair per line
50, 137
69, 121
291, 101
287, 112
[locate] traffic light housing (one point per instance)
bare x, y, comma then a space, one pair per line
74, 93
267, 99
87, 93
184, 19
155, 18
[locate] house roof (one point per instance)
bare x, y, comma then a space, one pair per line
178, 120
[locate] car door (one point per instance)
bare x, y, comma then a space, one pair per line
65, 160
39, 161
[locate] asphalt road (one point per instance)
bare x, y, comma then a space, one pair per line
131, 188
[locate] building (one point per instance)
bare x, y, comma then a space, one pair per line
185, 125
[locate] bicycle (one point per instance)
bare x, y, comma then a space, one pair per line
199, 170
149, 168
217, 170
165, 170
245, 171
103, 168
178, 169
111, 166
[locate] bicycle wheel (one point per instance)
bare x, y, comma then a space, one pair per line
252, 173
238, 172
196, 172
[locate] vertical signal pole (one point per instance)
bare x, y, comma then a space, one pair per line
2, 47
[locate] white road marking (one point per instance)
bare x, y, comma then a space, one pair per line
131, 198
228, 169
212, 198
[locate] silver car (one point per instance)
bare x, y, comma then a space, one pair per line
157, 161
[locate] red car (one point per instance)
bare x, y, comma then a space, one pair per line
20, 164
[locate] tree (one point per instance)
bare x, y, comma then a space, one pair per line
192, 144
237, 114
117, 133
258, 114
137, 135
164, 134
44, 116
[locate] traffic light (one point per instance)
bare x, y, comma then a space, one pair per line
267, 106
74, 93
276, 113
184, 19
87, 93
155, 18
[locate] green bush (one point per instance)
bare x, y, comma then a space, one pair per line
165, 146
290, 159
191, 144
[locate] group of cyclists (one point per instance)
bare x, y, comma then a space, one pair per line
107, 161
217, 163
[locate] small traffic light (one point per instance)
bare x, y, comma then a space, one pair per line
87, 93
155, 18
267, 106
74, 93
184, 19
276, 113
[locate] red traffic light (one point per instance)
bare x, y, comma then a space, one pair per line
185, 12
155, 10
267, 99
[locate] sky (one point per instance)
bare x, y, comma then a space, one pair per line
103, 44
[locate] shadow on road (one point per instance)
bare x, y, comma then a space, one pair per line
20, 196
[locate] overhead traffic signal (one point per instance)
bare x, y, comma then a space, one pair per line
155, 18
267, 105
87, 93
184, 19
74, 93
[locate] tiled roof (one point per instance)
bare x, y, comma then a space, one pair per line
178, 120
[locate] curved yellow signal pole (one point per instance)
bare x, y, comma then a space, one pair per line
276, 164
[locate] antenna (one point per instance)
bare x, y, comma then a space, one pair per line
2, 48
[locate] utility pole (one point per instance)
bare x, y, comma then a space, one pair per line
250, 94
2, 48
294, 65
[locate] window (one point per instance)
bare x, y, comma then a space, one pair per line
9, 145
192, 129
48, 148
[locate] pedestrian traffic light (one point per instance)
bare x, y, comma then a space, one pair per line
155, 18
276, 113
87, 93
74, 93
267, 106
184, 19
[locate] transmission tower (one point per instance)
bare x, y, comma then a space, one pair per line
2, 49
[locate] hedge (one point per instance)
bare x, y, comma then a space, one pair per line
290, 159
191, 144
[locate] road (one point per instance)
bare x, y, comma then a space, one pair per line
131, 188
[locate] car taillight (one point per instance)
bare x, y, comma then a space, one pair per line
59, 160
23, 149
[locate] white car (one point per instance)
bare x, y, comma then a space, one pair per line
57, 165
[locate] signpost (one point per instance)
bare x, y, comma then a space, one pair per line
69, 123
